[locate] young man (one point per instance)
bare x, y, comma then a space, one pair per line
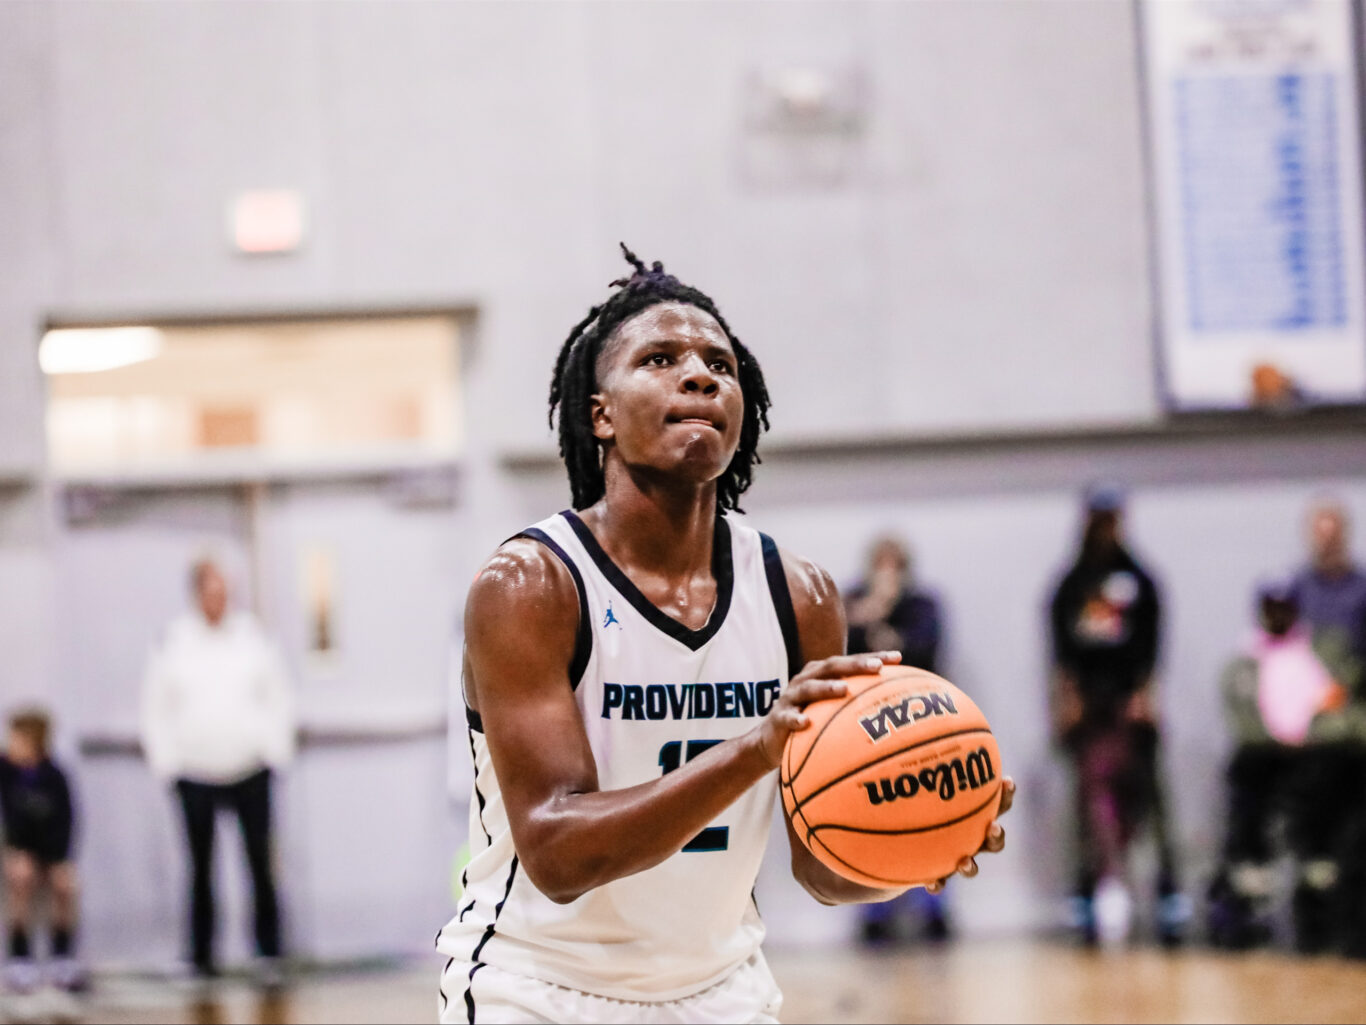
632, 672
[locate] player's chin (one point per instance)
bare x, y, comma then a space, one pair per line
701, 460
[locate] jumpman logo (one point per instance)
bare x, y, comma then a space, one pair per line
610, 618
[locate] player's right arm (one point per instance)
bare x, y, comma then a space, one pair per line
521, 621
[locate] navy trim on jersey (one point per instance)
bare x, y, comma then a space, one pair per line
440, 988
465, 875
583, 638
722, 567
478, 795
488, 935
475, 720
782, 604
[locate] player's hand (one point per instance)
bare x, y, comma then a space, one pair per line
995, 841
816, 682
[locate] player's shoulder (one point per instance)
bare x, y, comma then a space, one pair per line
523, 575
812, 589
816, 605
806, 579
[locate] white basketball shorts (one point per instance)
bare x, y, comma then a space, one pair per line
494, 997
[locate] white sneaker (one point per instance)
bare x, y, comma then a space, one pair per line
22, 983
67, 974
22, 975
1114, 912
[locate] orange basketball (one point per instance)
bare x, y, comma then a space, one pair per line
895, 783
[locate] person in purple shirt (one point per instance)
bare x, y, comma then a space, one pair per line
1331, 590
1331, 594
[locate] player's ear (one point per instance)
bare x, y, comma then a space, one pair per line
601, 418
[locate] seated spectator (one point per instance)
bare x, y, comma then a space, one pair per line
887, 612
35, 803
1296, 756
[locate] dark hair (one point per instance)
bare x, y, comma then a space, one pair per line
575, 381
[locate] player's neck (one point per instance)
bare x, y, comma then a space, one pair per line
663, 528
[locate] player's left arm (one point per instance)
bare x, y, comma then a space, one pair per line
821, 631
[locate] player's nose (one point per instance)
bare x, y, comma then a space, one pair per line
698, 376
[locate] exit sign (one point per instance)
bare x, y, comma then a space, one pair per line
267, 221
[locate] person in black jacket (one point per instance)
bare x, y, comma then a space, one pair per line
39, 820
1105, 623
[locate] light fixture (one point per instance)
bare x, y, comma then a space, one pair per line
87, 350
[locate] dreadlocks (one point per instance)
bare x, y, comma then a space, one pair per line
575, 381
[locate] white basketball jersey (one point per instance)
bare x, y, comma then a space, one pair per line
653, 694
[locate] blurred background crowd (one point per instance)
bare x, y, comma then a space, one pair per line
280, 290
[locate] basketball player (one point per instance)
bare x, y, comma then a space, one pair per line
632, 671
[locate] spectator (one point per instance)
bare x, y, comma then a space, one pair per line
1294, 756
1105, 626
886, 612
1331, 590
35, 800
217, 720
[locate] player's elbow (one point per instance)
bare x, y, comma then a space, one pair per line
564, 896
556, 863
560, 880
802, 871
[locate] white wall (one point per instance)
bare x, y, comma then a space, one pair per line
982, 268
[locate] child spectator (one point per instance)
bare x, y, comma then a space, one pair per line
35, 803
1295, 757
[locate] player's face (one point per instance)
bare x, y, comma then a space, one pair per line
669, 394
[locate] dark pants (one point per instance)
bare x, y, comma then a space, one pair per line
1119, 791
250, 799
1319, 791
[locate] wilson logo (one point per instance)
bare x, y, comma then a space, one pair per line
945, 779
908, 710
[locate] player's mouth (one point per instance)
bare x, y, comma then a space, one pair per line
698, 421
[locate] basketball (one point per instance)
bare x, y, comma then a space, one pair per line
895, 783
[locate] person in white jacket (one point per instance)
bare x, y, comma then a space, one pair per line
217, 719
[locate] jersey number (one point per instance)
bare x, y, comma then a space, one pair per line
671, 756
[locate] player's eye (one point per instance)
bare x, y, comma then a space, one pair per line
657, 359
722, 366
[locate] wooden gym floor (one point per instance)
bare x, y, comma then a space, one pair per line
1005, 981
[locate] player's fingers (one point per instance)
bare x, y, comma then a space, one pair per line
967, 868
935, 887
996, 839
807, 691
1007, 796
848, 665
